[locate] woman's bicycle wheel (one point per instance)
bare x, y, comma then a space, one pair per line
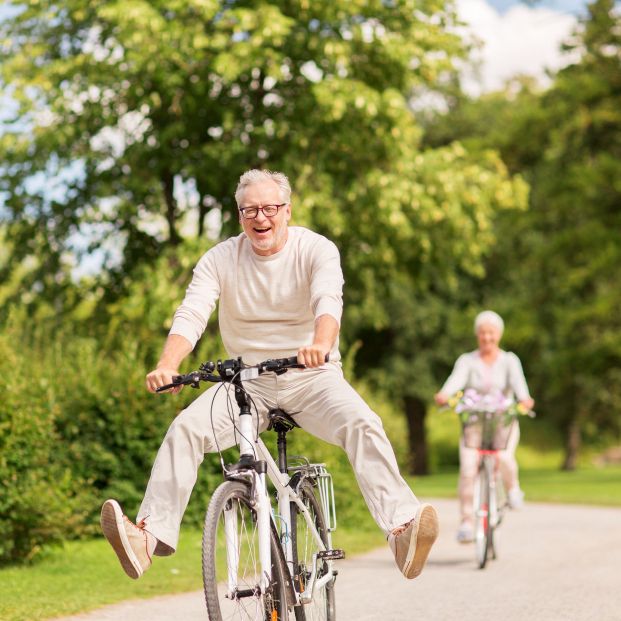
231, 566
322, 607
482, 531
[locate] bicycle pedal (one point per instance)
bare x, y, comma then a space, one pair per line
331, 555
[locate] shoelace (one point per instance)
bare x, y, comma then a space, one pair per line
400, 529
141, 527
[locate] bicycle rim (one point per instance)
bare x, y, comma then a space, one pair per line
322, 606
481, 518
231, 566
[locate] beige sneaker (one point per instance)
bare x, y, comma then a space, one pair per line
411, 545
131, 542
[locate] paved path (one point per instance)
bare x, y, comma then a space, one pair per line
556, 563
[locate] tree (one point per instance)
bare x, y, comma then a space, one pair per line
414, 301
556, 272
123, 106
145, 100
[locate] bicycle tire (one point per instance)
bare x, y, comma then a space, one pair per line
481, 517
233, 497
323, 607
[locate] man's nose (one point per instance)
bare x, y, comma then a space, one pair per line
261, 217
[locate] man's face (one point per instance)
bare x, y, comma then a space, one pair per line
267, 235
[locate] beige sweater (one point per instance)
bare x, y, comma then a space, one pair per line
268, 305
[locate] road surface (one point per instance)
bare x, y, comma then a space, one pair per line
556, 563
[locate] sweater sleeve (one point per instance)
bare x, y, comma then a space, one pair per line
458, 379
190, 318
326, 286
517, 381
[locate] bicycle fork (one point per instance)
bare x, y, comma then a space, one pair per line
252, 471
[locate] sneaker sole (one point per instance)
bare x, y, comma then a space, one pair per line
114, 531
423, 537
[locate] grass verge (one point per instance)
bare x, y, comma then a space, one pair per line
83, 575
589, 485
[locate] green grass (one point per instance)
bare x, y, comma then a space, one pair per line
83, 575
589, 485
539, 457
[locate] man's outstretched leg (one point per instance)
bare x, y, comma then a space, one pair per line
172, 479
332, 410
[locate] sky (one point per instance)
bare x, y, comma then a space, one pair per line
517, 37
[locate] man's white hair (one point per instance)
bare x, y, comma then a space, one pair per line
489, 317
255, 175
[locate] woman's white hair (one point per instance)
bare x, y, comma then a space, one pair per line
489, 317
255, 175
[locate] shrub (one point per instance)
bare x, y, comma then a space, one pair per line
41, 498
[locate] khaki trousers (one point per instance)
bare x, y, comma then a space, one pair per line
469, 466
322, 403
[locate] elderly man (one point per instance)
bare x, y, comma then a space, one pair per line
280, 292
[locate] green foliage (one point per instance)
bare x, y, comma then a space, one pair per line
41, 498
125, 104
555, 274
145, 100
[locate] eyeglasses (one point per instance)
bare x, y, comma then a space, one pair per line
250, 213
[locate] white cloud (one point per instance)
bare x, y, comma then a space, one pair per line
523, 40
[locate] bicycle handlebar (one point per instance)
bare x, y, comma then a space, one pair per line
229, 370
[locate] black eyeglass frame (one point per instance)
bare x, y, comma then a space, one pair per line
243, 210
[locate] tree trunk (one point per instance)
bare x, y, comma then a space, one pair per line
168, 181
202, 212
415, 412
573, 442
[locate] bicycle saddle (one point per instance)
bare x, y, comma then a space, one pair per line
279, 421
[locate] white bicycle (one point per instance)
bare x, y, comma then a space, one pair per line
265, 560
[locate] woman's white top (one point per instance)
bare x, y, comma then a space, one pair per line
505, 374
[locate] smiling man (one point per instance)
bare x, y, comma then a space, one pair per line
280, 292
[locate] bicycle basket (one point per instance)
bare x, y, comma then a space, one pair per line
486, 430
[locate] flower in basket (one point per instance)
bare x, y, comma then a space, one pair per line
473, 401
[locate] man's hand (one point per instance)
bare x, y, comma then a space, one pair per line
160, 377
314, 355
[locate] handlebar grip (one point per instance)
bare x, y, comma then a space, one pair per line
294, 360
166, 387
177, 381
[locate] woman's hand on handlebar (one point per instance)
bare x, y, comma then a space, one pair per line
314, 355
161, 377
441, 399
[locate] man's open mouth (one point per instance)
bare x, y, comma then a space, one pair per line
262, 230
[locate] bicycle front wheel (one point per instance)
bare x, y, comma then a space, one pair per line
231, 566
322, 606
481, 518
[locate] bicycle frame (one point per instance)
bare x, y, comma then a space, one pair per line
257, 478
488, 458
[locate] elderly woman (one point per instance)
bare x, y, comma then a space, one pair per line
488, 369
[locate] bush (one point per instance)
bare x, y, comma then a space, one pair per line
41, 498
